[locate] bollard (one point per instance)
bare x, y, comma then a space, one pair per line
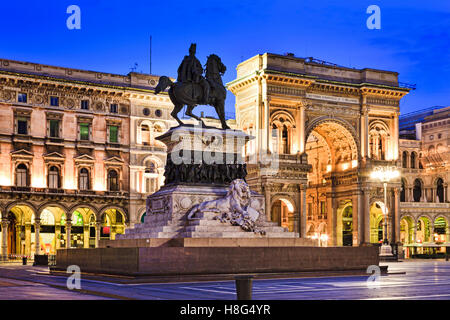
24, 260
244, 287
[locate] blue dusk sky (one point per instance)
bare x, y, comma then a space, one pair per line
414, 38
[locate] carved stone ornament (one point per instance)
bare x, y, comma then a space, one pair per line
233, 208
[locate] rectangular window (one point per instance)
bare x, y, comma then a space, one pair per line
54, 128
22, 126
113, 134
22, 97
113, 108
54, 101
84, 131
85, 104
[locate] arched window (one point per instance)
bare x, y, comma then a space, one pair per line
417, 191
113, 180
378, 137
413, 160
431, 150
145, 134
83, 179
405, 159
53, 178
22, 175
440, 189
403, 192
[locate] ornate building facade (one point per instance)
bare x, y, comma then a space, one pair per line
329, 127
72, 148
425, 194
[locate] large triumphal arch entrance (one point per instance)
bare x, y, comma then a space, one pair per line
328, 127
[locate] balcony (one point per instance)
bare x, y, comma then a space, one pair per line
425, 205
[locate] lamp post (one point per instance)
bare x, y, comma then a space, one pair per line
385, 174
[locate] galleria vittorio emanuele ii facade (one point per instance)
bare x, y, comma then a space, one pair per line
78, 154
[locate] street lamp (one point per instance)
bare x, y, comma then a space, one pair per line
385, 174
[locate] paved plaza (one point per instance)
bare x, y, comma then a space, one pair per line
412, 279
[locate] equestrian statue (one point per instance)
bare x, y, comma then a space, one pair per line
192, 88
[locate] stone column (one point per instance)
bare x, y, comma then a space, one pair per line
267, 203
57, 236
356, 217
447, 233
303, 212
86, 236
396, 224
68, 230
4, 245
98, 225
366, 213
301, 143
396, 136
37, 244
28, 238
364, 129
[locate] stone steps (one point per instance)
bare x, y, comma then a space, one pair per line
237, 234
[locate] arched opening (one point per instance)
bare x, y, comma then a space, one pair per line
92, 231
406, 230
440, 230
376, 222
417, 190
282, 212
347, 226
331, 150
48, 241
403, 191
77, 231
440, 190
113, 222
413, 160
19, 231
113, 180
22, 175
407, 235
423, 233
54, 180
143, 217
378, 140
405, 159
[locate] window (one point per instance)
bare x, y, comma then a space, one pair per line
53, 177
84, 131
22, 126
54, 128
158, 113
323, 209
113, 134
145, 134
83, 183
85, 104
54, 101
22, 97
413, 160
113, 108
417, 191
113, 180
439, 135
405, 159
22, 175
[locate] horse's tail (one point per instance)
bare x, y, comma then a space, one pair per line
163, 83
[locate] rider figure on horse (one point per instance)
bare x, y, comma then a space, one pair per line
191, 70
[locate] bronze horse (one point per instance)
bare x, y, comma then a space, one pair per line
191, 94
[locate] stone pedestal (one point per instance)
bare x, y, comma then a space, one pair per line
201, 164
